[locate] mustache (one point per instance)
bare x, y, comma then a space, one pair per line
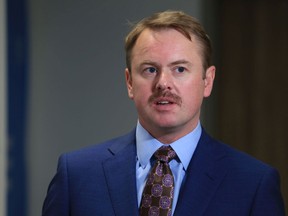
167, 95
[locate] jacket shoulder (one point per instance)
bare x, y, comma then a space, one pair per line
234, 157
101, 151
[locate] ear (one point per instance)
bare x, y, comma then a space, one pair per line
129, 83
209, 80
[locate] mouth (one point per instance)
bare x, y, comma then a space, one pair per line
164, 102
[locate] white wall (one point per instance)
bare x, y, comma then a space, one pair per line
2, 109
77, 91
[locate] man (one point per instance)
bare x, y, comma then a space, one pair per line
168, 74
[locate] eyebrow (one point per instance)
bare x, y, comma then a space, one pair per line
147, 62
182, 61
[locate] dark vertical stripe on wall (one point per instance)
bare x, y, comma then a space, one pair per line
17, 83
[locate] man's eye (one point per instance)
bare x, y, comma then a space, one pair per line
180, 69
151, 70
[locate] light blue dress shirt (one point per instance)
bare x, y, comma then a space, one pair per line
147, 145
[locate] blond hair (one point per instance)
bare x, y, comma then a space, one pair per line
178, 20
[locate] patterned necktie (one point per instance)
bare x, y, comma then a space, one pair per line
157, 196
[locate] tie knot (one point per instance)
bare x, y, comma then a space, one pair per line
165, 154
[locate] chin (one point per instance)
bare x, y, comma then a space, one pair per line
166, 125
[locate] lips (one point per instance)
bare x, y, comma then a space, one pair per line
164, 101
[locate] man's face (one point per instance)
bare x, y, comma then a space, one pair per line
166, 82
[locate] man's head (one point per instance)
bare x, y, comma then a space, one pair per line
177, 20
168, 73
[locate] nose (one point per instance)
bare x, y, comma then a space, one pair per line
164, 81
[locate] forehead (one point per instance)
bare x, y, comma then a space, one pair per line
165, 43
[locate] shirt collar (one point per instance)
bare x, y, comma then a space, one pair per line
184, 147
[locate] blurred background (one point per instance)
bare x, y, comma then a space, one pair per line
62, 83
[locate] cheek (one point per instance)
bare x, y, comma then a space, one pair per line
193, 93
141, 92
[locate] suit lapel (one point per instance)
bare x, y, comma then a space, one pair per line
120, 174
204, 174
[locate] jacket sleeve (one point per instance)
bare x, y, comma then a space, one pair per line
57, 199
268, 199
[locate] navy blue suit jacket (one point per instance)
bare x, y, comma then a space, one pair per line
220, 181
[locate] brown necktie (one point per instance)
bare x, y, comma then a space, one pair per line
157, 196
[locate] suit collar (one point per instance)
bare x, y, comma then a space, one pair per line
120, 175
204, 175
